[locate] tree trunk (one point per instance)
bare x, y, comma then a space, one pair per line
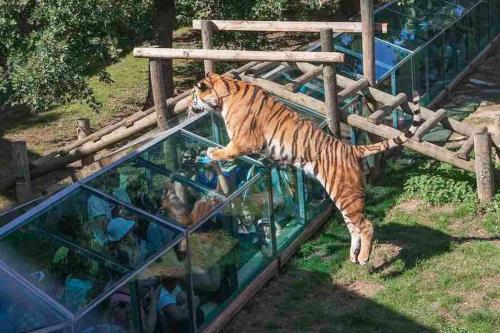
164, 12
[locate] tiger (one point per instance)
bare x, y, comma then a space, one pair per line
258, 123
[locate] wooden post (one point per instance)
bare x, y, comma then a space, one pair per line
368, 40
484, 168
159, 94
82, 131
496, 131
22, 171
207, 42
330, 84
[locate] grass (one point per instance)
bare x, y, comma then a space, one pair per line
434, 269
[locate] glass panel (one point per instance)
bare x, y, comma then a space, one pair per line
11, 214
21, 310
450, 54
157, 301
386, 55
421, 74
494, 15
404, 79
462, 43
436, 66
316, 198
186, 157
229, 250
482, 13
474, 28
88, 243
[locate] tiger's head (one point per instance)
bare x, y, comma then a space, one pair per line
208, 94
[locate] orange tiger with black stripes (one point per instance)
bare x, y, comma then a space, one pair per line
258, 123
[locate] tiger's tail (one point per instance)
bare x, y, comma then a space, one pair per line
372, 149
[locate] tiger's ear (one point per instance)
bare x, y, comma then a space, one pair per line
202, 86
208, 74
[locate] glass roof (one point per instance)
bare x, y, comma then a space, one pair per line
22, 309
97, 234
411, 24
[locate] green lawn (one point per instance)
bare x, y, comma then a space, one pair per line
434, 269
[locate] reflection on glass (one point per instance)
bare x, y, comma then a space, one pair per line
77, 248
156, 301
21, 310
229, 250
436, 66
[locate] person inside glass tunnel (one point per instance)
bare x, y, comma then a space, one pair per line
101, 212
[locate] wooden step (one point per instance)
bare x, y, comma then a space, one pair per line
352, 89
377, 116
429, 124
303, 79
468, 146
261, 68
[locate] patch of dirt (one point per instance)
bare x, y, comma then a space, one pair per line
384, 254
410, 205
275, 308
478, 299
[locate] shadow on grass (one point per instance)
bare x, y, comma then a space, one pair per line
417, 243
304, 301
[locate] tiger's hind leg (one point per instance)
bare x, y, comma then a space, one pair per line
361, 230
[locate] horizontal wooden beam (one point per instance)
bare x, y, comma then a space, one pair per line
376, 116
429, 124
262, 67
286, 26
426, 148
303, 79
238, 55
385, 98
353, 89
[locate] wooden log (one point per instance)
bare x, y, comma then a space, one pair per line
159, 94
235, 55
21, 171
484, 169
303, 79
330, 84
91, 147
385, 98
287, 26
429, 124
207, 42
384, 110
262, 68
353, 89
368, 40
426, 148
496, 131
82, 131
467, 146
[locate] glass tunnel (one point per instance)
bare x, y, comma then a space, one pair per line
428, 44
163, 239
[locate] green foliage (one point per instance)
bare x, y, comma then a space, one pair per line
439, 183
251, 9
49, 49
492, 216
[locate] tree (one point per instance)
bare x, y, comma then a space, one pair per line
49, 49
164, 19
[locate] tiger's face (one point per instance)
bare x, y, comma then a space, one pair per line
206, 96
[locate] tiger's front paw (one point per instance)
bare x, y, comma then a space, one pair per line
214, 154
